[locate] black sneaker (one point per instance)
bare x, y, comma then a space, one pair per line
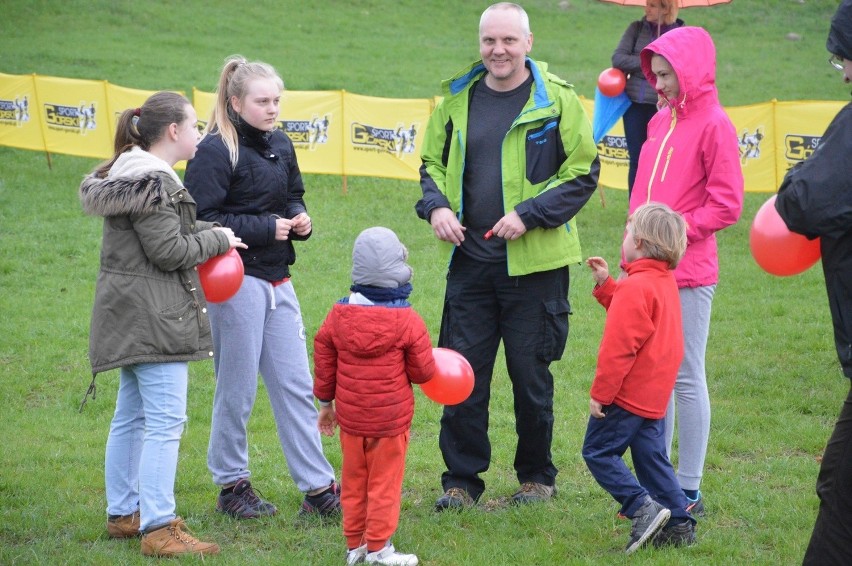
681, 534
454, 498
324, 504
242, 503
647, 522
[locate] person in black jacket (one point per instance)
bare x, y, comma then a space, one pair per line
245, 176
815, 199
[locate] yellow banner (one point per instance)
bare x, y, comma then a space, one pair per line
383, 136
799, 128
74, 116
19, 122
339, 133
755, 127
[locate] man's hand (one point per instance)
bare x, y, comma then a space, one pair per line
446, 226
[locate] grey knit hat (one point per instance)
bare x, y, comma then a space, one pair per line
378, 259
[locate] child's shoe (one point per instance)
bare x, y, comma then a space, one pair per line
681, 534
647, 522
356, 555
123, 526
695, 507
172, 539
390, 557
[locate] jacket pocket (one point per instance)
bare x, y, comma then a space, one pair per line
176, 329
555, 332
544, 152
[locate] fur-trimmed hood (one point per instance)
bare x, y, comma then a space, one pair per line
134, 185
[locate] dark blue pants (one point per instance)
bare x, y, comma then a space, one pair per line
530, 314
636, 132
831, 540
607, 440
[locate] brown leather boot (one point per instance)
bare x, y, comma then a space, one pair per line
125, 526
173, 540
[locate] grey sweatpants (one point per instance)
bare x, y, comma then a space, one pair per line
690, 399
260, 329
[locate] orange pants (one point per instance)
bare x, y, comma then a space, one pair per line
371, 488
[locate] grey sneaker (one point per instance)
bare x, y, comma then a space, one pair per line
532, 492
681, 534
356, 555
647, 522
243, 503
454, 498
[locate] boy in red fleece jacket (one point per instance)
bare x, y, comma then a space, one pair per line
640, 352
370, 349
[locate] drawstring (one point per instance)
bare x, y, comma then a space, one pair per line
271, 296
93, 390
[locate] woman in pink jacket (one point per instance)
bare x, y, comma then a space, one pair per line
690, 162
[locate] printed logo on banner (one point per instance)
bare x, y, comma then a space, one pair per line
15, 111
70, 118
398, 141
614, 147
750, 144
798, 147
307, 133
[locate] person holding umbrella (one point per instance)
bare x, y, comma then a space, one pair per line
660, 17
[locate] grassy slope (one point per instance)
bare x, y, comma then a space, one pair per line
773, 372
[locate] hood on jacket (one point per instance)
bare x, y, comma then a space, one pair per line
369, 330
839, 40
692, 55
378, 259
134, 185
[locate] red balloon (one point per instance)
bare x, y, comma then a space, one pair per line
221, 276
775, 248
611, 82
452, 382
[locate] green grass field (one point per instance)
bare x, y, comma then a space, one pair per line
775, 384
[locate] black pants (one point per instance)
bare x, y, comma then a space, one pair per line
831, 540
530, 314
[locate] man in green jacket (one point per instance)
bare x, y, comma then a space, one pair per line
508, 161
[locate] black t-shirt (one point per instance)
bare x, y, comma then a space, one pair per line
490, 115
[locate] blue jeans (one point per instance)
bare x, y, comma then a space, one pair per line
607, 440
144, 436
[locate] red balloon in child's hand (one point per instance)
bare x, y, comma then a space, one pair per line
221, 276
775, 248
452, 382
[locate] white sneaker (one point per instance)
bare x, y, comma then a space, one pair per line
356, 555
390, 557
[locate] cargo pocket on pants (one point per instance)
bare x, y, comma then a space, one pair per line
555, 333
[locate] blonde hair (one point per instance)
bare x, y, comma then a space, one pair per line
233, 81
670, 8
662, 232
